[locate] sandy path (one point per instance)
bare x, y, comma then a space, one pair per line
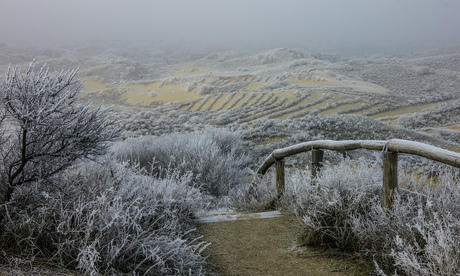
268, 247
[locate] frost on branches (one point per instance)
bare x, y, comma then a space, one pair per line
42, 129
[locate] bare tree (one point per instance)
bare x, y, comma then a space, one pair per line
42, 128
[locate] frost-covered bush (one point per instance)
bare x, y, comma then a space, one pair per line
43, 129
424, 70
342, 209
219, 86
258, 196
223, 119
328, 207
109, 219
274, 86
216, 158
432, 245
432, 248
429, 86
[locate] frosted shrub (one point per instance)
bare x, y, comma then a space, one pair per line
216, 158
328, 208
110, 218
43, 129
223, 119
207, 89
259, 196
432, 247
424, 70
419, 236
274, 86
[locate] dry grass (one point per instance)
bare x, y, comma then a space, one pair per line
174, 89
270, 247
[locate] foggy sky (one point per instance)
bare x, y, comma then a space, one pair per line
317, 25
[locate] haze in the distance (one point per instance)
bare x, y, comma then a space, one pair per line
346, 27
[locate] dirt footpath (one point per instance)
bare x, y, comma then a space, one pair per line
269, 247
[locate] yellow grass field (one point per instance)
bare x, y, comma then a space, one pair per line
184, 84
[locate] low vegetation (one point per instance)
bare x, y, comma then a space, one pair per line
99, 218
342, 210
216, 158
74, 196
107, 219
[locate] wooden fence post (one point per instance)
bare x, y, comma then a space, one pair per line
316, 162
280, 177
390, 178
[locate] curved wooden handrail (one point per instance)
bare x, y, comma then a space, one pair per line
394, 145
389, 148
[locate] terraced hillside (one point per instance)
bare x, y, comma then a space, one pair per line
280, 84
158, 92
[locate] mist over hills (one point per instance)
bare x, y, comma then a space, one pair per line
354, 27
158, 90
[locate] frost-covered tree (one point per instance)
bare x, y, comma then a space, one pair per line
42, 128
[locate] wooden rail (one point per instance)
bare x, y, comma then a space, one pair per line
389, 148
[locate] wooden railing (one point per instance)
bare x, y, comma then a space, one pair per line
390, 150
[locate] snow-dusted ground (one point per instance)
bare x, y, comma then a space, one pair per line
219, 216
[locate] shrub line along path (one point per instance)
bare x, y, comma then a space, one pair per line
267, 244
